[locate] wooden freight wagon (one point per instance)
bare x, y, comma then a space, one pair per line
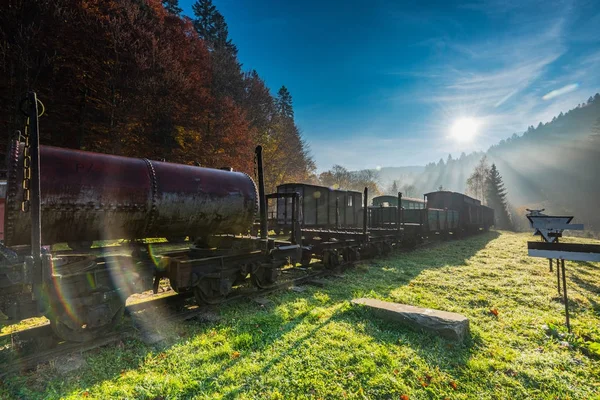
470, 210
320, 206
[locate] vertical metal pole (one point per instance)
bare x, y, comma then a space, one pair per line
550, 260
558, 275
317, 211
564, 279
285, 208
400, 213
446, 229
294, 220
424, 211
365, 211
261, 194
36, 212
337, 212
297, 228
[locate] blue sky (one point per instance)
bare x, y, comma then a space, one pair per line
380, 82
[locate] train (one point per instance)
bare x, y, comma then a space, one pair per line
335, 221
55, 195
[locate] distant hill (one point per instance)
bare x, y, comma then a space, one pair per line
406, 175
555, 165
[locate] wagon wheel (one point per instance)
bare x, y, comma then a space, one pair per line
263, 277
331, 259
387, 248
66, 328
210, 291
306, 258
350, 255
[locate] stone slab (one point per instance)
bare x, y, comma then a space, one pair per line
69, 363
449, 325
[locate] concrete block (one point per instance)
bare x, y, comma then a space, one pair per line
449, 325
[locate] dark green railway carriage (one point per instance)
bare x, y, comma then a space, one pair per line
318, 206
488, 217
472, 215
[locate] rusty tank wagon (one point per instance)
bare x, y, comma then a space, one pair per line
89, 196
53, 195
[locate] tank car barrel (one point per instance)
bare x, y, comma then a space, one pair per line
90, 196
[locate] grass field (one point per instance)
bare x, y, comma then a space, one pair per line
314, 344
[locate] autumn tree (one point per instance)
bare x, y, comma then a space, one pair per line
337, 177
135, 78
477, 182
340, 178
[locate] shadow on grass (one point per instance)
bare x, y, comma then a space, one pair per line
384, 276
444, 354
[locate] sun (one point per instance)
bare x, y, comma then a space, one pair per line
464, 129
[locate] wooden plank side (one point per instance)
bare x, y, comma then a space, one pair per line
565, 251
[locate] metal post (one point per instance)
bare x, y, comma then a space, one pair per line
261, 194
294, 220
317, 211
297, 228
550, 260
558, 275
285, 204
337, 212
36, 212
365, 211
564, 279
400, 213
421, 213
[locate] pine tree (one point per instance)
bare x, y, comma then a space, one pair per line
394, 190
228, 79
496, 199
284, 103
172, 6
204, 24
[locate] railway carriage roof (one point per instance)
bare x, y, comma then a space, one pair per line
316, 186
448, 191
387, 196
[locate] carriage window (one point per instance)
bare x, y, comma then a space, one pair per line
349, 201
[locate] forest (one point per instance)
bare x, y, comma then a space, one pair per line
137, 78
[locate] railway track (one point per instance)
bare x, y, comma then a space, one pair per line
39, 344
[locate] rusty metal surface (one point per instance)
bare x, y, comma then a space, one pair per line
198, 201
90, 196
